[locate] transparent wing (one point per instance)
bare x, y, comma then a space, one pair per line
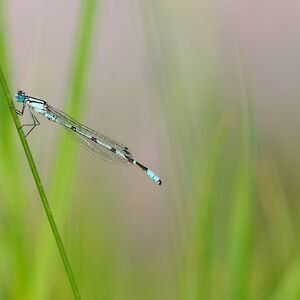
88, 144
97, 149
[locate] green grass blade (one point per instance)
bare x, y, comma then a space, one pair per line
39, 186
285, 262
64, 160
4, 56
243, 207
67, 151
13, 200
207, 214
289, 288
5, 125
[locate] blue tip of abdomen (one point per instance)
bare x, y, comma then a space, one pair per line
154, 177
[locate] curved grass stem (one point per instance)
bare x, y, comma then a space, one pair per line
39, 186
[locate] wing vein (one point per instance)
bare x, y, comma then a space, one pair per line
91, 146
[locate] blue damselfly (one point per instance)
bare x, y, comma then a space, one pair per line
95, 142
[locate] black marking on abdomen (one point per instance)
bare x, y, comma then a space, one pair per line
94, 139
141, 166
131, 160
126, 150
114, 150
73, 128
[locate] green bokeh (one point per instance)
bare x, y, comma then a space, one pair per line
222, 225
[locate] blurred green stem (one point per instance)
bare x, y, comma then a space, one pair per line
66, 156
240, 246
39, 186
205, 232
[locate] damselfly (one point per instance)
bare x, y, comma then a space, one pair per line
95, 142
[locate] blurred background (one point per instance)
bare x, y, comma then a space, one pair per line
205, 93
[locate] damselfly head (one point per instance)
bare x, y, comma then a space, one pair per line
20, 97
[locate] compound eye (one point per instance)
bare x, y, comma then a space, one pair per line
20, 93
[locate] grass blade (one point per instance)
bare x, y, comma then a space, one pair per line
39, 186
243, 207
66, 152
207, 207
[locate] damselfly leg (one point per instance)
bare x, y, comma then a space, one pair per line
34, 119
21, 112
